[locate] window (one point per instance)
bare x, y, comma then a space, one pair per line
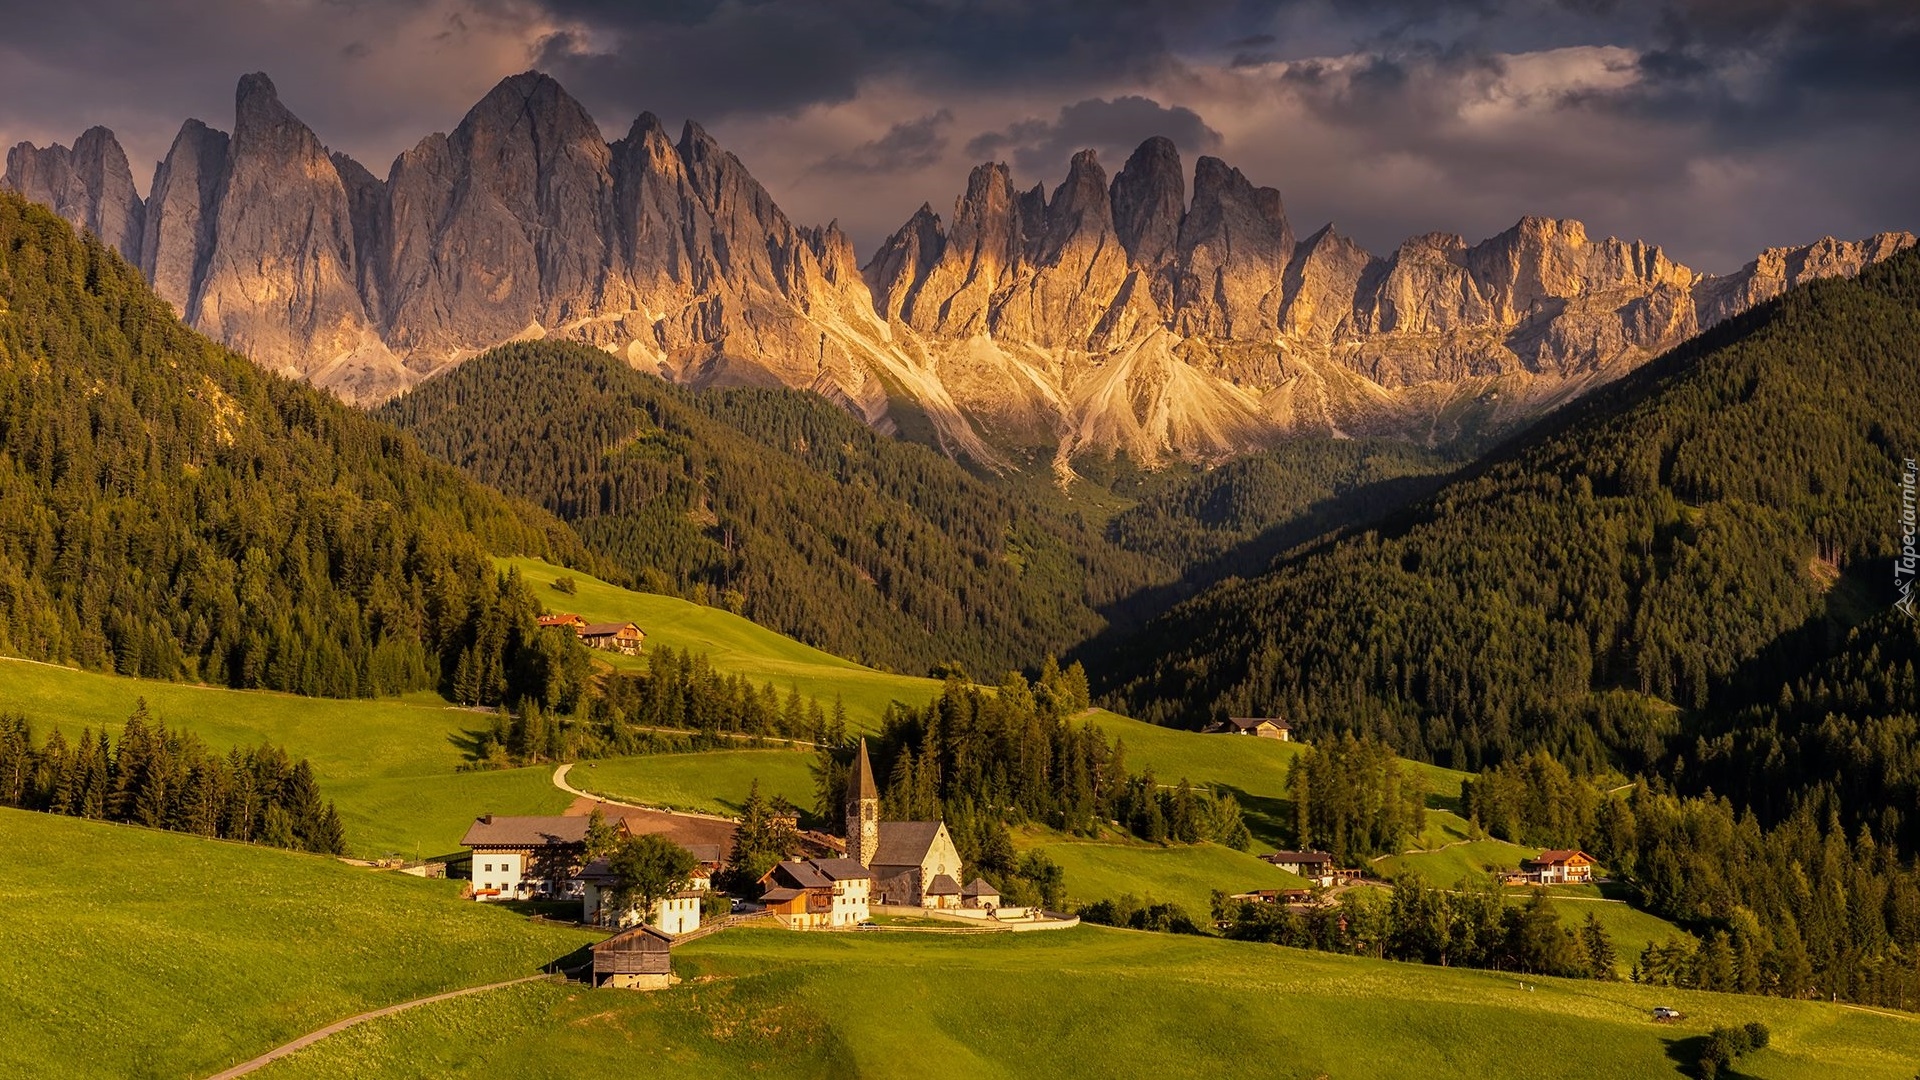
488, 868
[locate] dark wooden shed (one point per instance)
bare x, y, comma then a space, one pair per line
636, 957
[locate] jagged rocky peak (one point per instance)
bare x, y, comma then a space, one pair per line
280, 283
1149, 200
1328, 271
902, 262
1080, 212
1234, 247
181, 207
90, 185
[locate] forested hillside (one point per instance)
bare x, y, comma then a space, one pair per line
780, 506
1668, 544
168, 509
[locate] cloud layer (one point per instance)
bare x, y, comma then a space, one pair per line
1714, 127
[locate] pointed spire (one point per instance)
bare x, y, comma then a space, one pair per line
862, 780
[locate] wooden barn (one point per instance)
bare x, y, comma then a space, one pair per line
636, 959
624, 638
1265, 727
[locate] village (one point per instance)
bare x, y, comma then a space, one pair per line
904, 875
880, 875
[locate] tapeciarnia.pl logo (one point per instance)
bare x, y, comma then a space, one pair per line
1908, 561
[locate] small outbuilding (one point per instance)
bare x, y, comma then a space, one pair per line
637, 959
980, 894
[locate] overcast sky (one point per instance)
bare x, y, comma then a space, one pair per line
1712, 127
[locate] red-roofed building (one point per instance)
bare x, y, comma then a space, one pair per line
1558, 866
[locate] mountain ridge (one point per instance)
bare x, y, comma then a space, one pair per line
1119, 314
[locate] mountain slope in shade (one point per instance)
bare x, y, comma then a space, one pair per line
780, 506
169, 510
1675, 545
1107, 314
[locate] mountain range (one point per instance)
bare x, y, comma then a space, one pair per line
1112, 314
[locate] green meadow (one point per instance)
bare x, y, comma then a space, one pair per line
1090, 1002
131, 952
734, 645
389, 764
709, 782
1183, 874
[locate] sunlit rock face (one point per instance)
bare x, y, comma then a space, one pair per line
1158, 313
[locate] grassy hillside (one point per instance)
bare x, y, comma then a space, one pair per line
1255, 770
1116, 1004
714, 782
734, 645
137, 953
1184, 874
389, 764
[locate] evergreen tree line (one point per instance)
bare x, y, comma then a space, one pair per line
1658, 544
1472, 926
781, 506
168, 780
1354, 798
678, 702
1794, 909
170, 510
1013, 754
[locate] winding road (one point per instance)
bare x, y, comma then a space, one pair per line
560, 781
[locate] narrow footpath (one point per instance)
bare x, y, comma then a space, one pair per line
335, 1028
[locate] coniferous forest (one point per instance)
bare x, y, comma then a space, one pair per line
780, 506
168, 780
170, 510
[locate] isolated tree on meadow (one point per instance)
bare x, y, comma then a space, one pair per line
647, 869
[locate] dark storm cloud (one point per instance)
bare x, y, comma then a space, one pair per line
1113, 128
1736, 124
907, 146
719, 57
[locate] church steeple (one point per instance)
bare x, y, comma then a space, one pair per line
863, 810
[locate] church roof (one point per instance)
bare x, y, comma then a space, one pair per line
904, 843
979, 887
860, 784
943, 885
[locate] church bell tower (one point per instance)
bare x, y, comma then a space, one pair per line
863, 810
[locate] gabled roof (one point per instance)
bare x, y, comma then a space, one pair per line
707, 854
606, 629
904, 843
497, 830
645, 937
979, 887
842, 869
943, 885
1299, 857
1248, 723
798, 874
780, 895
1556, 856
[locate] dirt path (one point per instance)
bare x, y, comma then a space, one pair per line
335, 1028
560, 781
680, 827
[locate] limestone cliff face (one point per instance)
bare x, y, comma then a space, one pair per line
90, 185
1136, 313
181, 207
280, 282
